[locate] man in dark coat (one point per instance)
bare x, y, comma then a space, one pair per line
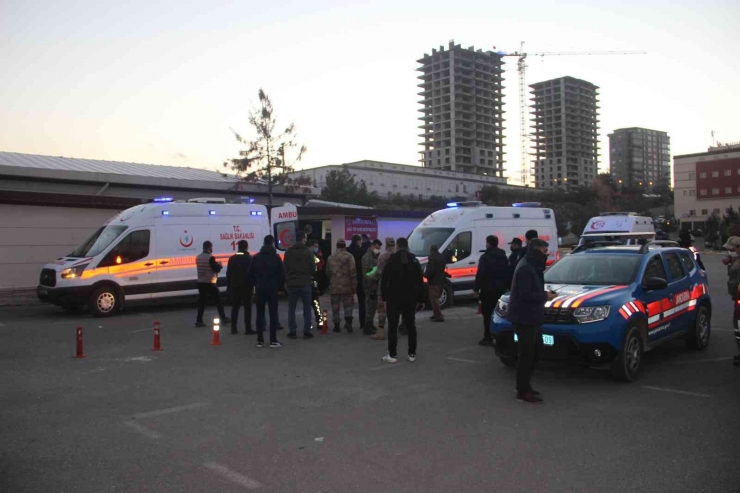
435, 274
300, 265
529, 236
268, 276
240, 287
402, 289
357, 252
490, 283
515, 246
527, 314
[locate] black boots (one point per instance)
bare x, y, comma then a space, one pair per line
337, 327
348, 324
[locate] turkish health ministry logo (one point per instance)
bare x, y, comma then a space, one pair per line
186, 240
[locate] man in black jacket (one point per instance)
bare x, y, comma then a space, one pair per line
357, 252
529, 236
402, 289
490, 283
527, 314
268, 276
300, 266
240, 287
515, 246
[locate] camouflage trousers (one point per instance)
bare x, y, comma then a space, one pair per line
382, 315
348, 300
371, 306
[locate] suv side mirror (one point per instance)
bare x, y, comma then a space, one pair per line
654, 284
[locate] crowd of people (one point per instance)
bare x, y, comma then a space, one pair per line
391, 286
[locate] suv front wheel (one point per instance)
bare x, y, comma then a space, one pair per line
628, 364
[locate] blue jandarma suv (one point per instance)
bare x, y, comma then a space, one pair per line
615, 303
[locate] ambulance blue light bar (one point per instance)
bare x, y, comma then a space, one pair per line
471, 203
211, 213
163, 199
165, 213
527, 204
255, 213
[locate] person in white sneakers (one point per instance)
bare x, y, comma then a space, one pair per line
402, 290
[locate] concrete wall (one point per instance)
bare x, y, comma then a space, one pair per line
31, 236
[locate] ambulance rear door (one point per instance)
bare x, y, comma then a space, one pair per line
284, 226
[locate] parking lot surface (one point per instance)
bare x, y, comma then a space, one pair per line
326, 415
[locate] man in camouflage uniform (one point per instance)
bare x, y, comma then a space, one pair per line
390, 248
370, 283
342, 273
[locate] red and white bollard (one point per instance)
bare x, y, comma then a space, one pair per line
80, 353
216, 341
157, 343
325, 323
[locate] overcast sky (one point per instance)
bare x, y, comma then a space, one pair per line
162, 81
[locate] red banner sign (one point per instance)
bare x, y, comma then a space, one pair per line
360, 226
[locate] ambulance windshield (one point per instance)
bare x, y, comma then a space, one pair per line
99, 241
423, 238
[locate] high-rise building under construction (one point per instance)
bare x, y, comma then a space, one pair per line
462, 110
565, 137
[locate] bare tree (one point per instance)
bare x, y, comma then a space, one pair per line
265, 159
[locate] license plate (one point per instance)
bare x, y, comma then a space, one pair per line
547, 340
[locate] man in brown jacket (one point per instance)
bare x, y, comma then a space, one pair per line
342, 273
390, 249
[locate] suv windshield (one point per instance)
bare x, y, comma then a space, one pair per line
99, 241
422, 238
593, 269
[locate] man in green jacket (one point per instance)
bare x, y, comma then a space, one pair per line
299, 269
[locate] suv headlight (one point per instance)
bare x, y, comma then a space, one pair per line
73, 272
588, 314
502, 309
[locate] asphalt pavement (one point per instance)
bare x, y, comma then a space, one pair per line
326, 415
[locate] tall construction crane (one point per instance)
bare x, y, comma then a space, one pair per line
523, 113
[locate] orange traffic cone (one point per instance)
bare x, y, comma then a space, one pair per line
216, 341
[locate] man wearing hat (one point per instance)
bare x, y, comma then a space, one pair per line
527, 314
342, 274
686, 240
733, 281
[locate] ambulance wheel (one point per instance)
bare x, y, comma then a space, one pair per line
698, 336
628, 364
446, 297
105, 301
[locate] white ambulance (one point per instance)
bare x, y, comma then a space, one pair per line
461, 229
624, 227
148, 252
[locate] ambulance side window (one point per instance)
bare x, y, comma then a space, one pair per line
459, 248
133, 247
655, 269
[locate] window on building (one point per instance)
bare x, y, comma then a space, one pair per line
692, 193
715, 211
704, 212
728, 189
715, 174
715, 191
692, 176
703, 191
702, 175
728, 172
692, 213
685, 193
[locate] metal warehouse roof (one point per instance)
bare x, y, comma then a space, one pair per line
18, 160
